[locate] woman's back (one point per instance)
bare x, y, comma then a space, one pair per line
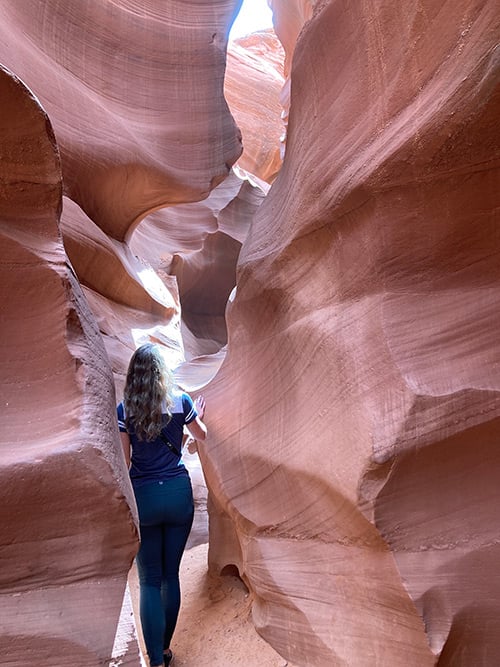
154, 460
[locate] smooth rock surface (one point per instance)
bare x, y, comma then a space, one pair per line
252, 86
197, 246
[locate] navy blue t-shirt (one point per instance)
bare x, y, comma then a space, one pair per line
154, 461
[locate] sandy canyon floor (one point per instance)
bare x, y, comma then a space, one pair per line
215, 627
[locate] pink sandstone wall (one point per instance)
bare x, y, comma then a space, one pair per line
253, 87
354, 456
122, 81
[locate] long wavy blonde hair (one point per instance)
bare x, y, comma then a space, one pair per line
149, 383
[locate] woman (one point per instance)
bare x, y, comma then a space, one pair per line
151, 419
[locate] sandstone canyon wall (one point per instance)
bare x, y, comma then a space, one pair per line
68, 528
354, 453
128, 140
253, 88
354, 419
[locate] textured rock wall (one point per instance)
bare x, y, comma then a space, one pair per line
355, 421
289, 17
68, 532
253, 86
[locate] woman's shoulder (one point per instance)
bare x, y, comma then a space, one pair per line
179, 400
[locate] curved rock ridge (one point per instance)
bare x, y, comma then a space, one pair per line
183, 253
289, 17
124, 83
67, 513
131, 303
352, 461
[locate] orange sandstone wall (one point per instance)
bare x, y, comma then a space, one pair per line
253, 86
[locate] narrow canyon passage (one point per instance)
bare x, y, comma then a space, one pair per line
215, 625
305, 219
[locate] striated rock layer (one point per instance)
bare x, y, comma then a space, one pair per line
353, 462
197, 246
134, 89
68, 530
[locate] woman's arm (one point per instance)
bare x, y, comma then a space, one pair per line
125, 446
197, 428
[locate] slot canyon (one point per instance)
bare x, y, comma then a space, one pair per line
306, 218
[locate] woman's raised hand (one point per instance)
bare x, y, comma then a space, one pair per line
200, 405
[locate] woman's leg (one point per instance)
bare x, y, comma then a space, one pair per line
166, 512
175, 539
149, 565
175, 534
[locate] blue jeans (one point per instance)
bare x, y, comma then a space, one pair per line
166, 512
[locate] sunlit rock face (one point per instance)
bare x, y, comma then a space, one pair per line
289, 17
253, 88
353, 459
130, 302
68, 531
